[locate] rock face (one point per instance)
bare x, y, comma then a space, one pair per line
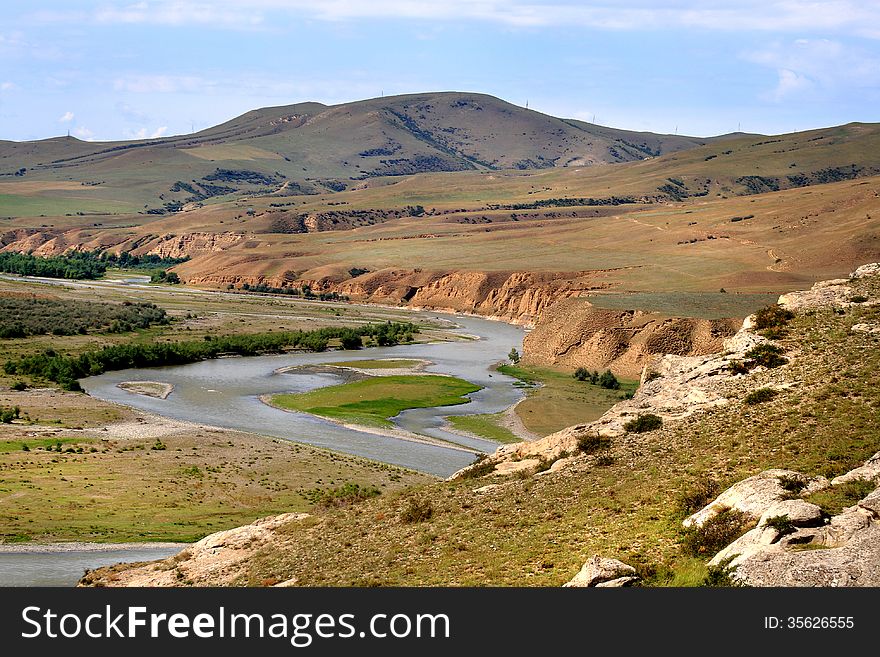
870, 471
806, 548
757, 495
603, 572
674, 387
216, 559
573, 333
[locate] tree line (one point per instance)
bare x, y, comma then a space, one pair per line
65, 370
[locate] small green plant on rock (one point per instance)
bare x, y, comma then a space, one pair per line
592, 443
767, 355
782, 524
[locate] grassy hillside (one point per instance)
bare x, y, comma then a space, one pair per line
310, 148
628, 503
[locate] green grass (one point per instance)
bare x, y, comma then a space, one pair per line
43, 443
375, 401
705, 305
559, 401
15, 205
486, 426
377, 364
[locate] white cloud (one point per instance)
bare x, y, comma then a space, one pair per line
131, 113
144, 133
859, 17
7, 86
67, 117
805, 66
150, 84
84, 133
159, 132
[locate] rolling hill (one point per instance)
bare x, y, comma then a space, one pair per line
314, 148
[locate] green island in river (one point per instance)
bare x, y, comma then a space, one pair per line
374, 401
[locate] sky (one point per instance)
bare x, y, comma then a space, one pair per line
126, 70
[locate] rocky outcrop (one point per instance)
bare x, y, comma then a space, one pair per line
757, 495
217, 558
602, 572
795, 544
573, 333
193, 244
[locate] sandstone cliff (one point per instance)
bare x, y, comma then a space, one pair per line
573, 334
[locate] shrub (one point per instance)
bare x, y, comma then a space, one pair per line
782, 524
513, 355
773, 316
721, 575
697, 495
768, 355
604, 460
716, 533
643, 423
653, 374
416, 510
7, 415
609, 381
25, 448
345, 495
792, 485
760, 395
19, 386
581, 374
738, 367
592, 443
858, 298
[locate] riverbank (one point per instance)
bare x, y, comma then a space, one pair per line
143, 479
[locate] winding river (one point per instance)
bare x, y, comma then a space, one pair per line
226, 393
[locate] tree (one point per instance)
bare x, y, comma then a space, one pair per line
513, 355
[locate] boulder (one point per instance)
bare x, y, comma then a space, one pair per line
599, 570
870, 471
755, 495
763, 537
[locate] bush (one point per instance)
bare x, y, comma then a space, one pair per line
609, 381
738, 367
859, 298
768, 355
581, 374
604, 460
721, 575
697, 495
7, 415
643, 423
773, 316
592, 443
513, 356
716, 533
19, 386
792, 485
782, 524
653, 374
416, 510
760, 395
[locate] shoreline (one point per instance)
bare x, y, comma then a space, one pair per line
80, 546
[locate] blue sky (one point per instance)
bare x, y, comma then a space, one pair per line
121, 70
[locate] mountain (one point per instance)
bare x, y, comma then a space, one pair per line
310, 147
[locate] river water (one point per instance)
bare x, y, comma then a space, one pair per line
225, 392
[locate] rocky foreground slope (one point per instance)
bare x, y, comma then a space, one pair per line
791, 445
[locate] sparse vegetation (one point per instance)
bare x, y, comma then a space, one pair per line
416, 510
760, 396
592, 442
697, 495
345, 495
644, 423
782, 524
766, 355
835, 499
24, 316
716, 533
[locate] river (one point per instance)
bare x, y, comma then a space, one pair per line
226, 392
